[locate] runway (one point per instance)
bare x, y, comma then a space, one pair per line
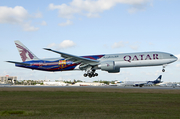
97, 87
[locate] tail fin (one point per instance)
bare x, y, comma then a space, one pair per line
25, 53
159, 78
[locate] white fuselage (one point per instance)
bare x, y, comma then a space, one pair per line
139, 59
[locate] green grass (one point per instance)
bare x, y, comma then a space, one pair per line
89, 104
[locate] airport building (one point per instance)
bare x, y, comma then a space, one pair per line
88, 84
55, 84
8, 79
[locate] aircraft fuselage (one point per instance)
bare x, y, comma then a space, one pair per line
120, 61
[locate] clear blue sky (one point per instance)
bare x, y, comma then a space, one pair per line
88, 27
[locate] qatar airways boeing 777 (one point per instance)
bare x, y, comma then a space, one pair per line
107, 62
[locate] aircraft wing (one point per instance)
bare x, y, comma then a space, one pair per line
75, 59
20, 63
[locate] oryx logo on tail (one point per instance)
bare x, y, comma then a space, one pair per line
25, 53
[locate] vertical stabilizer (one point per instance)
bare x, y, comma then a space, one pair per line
159, 78
25, 53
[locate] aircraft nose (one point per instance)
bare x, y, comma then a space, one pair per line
175, 58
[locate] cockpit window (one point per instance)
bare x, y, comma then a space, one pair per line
171, 55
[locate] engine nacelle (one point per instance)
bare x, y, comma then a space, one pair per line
109, 66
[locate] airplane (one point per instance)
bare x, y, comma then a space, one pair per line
149, 83
106, 62
142, 83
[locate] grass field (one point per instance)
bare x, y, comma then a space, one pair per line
95, 103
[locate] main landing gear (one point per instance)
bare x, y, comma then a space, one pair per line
91, 74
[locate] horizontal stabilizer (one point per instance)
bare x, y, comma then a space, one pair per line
20, 63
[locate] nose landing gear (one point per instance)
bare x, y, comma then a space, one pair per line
164, 66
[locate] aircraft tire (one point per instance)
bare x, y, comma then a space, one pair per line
163, 70
85, 75
90, 75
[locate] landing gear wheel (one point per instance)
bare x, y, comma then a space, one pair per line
163, 70
85, 75
90, 75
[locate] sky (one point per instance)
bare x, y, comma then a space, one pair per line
90, 27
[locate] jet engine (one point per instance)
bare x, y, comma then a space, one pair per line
109, 66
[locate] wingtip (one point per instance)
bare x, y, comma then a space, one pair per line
10, 61
46, 48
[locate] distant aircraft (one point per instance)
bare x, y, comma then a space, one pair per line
149, 83
107, 62
142, 83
